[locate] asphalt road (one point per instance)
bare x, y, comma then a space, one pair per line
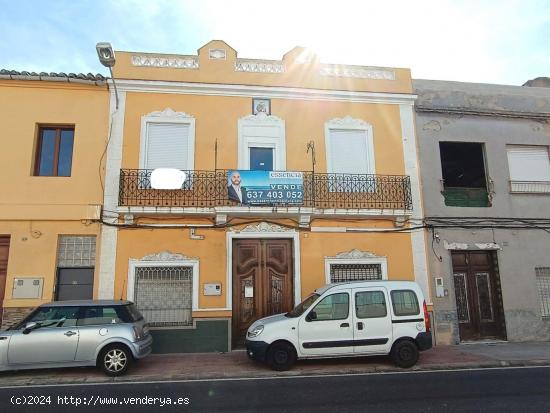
488, 390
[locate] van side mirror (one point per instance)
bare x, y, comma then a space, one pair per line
312, 315
29, 327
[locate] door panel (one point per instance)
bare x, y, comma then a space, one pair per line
331, 332
262, 281
373, 332
75, 284
44, 345
54, 339
277, 268
261, 159
477, 292
4, 253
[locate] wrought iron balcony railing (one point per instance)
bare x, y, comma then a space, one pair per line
206, 189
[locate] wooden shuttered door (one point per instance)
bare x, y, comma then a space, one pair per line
262, 282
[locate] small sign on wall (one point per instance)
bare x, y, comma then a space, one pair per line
212, 289
248, 291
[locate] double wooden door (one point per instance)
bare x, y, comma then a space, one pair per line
478, 295
4, 252
262, 282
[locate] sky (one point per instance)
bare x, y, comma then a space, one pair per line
503, 41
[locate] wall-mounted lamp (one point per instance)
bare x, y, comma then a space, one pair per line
106, 56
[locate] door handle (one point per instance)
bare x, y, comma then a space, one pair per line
360, 325
344, 325
70, 333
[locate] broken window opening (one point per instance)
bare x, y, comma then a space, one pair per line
464, 177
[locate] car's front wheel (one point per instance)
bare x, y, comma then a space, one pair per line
115, 360
281, 356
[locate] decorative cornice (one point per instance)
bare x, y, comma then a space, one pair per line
187, 62
268, 92
261, 117
167, 256
357, 72
355, 254
259, 66
348, 122
170, 113
265, 227
465, 246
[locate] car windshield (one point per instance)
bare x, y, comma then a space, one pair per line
303, 306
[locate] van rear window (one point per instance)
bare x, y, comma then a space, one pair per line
404, 302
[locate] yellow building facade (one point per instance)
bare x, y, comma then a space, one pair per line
55, 132
334, 196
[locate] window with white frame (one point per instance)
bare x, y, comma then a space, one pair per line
529, 168
350, 155
543, 286
346, 268
261, 133
164, 294
167, 140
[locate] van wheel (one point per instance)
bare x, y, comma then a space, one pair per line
115, 360
281, 356
404, 354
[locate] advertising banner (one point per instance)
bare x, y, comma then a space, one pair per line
265, 187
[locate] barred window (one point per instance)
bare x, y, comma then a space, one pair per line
164, 295
355, 272
76, 251
543, 286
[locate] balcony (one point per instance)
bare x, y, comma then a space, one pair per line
208, 189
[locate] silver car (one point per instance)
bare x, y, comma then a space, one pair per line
109, 334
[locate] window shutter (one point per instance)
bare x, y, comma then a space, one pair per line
167, 146
529, 163
348, 152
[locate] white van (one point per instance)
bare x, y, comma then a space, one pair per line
346, 319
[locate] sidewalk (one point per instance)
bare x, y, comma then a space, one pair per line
236, 364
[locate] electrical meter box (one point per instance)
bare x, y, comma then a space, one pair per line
213, 289
27, 287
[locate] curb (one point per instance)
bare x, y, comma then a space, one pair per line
270, 374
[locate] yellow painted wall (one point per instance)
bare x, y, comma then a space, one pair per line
24, 105
303, 75
135, 244
33, 253
35, 210
216, 118
212, 255
316, 246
